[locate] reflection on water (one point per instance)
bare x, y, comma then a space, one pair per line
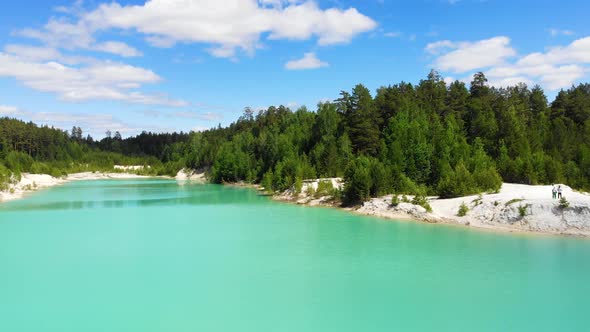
144, 193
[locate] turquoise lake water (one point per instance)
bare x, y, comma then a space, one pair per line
150, 255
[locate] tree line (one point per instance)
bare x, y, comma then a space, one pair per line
28, 148
431, 138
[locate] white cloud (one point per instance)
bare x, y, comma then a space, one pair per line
90, 123
33, 53
8, 110
393, 34
99, 80
226, 25
449, 79
558, 32
466, 56
309, 61
60, 33
576, 52
207, 116
500, 81
200, 128
210, 116
116, 47
93, 124
558, 67
439, 46
45, 54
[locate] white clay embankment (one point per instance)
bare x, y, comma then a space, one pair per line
515, 208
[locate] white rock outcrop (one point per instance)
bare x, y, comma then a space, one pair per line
515, 208
185, 175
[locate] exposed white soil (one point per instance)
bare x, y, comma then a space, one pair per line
304, 197
187, 175
501, 211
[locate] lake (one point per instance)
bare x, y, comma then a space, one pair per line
151, 255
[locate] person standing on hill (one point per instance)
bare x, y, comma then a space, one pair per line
554, 192
559, 192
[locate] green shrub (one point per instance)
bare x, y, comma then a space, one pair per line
19, 161
325, 188
357, 181
420, 199
487, 180
523, 210
5, 177
402, 184
477, 201
395, 200
512, 201
336, 194
563, 203
463, 209
40, 168
297, 186
267, 182
310, 191
56, 173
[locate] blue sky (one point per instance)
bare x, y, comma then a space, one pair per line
165, 65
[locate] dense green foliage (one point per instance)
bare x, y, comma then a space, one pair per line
430, 138
463, 209
28, 148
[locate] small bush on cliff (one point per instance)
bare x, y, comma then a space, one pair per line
297, 186
523, 210
325, 188
420, 199
463, 209
563, 203
395, 200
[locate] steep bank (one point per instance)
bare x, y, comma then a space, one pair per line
516, 208
188, 175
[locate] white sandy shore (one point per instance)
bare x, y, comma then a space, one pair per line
186, 175
500, 211
34, 182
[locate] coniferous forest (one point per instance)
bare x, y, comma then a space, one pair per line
425, 139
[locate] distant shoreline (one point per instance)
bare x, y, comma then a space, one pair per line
498, 212
30, 183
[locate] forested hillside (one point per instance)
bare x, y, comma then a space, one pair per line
430, 138
427, 139
26, 147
